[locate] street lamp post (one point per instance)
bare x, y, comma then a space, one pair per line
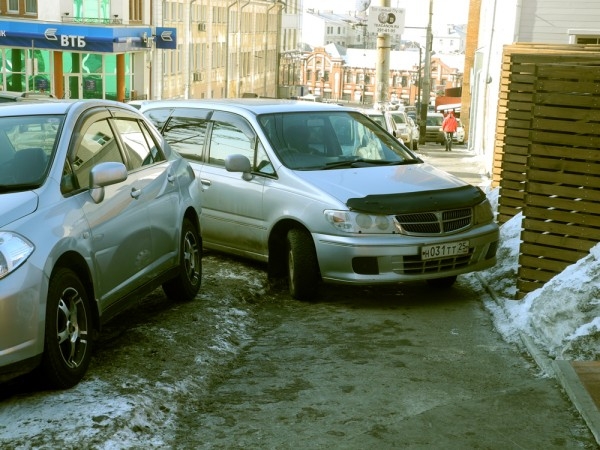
419, 79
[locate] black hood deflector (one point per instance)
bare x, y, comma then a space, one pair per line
414, 202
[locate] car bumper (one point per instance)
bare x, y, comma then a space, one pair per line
21, 321
392, 259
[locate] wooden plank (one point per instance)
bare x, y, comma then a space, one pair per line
546, 201
565, 230
556, 190
586, 222
538, 136
588, 154
566, 112
532, 274
570, 87
564, 124
513, 132
558, 98
561, 248
512, 185
566, 71
573, 179
543, 263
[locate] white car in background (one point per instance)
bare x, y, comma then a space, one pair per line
459, 136
403, 129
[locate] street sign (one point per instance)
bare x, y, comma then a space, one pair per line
386, 20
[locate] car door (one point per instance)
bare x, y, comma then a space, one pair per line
233, 217
159, 185
120, 239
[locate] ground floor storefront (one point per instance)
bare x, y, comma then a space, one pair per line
78, 60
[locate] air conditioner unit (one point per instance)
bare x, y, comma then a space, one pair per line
197, 76
202, 26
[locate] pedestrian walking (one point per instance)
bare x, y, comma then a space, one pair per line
449, 126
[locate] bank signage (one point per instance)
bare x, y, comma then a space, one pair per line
166, 38
93, 39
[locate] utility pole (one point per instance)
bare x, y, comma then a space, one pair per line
382, 68
426, 89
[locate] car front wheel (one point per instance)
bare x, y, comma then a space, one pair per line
303, 267
68, 331
186, 284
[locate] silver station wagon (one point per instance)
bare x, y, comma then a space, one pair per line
323, 194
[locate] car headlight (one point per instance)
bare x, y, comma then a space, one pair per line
483, 213
352, 222
14, 251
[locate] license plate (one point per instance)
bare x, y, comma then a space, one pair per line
438, 251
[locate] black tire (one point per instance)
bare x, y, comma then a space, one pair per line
185, 286
444, 282
303, 268
68, 335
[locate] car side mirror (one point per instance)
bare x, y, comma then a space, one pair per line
239, 163
105, 174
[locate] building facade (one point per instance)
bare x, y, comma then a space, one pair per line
496, 24
339, 74
142, 49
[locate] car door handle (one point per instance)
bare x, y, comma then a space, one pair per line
171, 178
205, 182
135, 193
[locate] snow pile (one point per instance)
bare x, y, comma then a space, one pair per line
562, 317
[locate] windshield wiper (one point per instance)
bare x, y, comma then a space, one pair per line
362, 162
18, 187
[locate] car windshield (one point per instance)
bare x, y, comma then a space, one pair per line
378, 118
26, 146
434, 120
399, 118
331, 139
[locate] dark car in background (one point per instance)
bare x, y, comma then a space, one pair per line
95, 211
433, 126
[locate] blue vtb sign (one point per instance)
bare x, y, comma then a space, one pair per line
82, 38
166, 38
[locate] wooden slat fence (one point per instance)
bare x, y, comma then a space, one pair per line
548, 147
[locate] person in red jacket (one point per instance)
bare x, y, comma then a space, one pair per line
449, 126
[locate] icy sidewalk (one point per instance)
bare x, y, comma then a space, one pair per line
558, 324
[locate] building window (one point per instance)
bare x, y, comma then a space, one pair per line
13, 6
135, 10
587, 40
31, 7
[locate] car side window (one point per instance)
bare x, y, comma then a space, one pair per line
186, 130
230, 135
95, 144
139, 146
263, 163
158, 116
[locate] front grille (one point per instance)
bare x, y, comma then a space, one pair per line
435, 222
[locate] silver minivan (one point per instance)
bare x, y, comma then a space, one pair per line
323, 194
